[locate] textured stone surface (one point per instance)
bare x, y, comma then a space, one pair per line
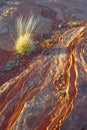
51, 94
42, 96
50, 12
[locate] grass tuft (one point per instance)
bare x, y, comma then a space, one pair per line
24, 43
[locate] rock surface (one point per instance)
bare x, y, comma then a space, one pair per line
50, 12
51, 93
42, 96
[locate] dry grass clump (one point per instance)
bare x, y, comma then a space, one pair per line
24, 43
74, 23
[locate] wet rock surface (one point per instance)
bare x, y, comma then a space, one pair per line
50, 90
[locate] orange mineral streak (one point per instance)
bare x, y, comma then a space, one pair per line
42, 96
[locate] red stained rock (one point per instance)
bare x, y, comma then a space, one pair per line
42, 96
50, 92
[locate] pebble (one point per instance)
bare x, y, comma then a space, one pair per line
36, 42
7, 68
61, 26
17, 58
11, 64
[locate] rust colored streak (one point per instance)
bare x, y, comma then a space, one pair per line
42, 96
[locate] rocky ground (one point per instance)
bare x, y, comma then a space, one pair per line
48, 88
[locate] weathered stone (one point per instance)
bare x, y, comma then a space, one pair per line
34, 99
42, 95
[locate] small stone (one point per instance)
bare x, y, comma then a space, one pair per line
37, 42
7, 68
61, 26
17, 57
